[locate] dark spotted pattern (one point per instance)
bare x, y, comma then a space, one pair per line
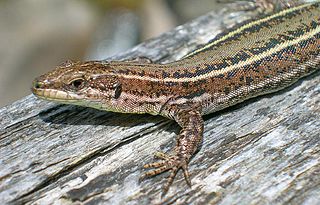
259, 59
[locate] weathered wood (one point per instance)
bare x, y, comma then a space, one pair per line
265, 150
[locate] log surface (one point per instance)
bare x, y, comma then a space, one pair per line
263, 151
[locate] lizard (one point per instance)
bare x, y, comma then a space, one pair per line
259, 57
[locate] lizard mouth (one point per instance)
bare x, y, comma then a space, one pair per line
40, 91
64, 97
55, 95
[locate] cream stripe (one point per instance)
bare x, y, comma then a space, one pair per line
233, 33
241, 64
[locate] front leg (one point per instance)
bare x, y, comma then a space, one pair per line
188, 116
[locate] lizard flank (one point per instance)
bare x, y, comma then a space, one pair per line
262, 56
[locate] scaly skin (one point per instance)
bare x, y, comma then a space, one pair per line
260, 57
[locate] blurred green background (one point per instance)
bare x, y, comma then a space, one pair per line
36, 35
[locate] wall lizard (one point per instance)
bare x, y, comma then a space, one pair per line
259, 57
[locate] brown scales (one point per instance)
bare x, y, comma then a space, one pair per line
201, 83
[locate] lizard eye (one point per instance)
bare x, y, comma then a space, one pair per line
77, 83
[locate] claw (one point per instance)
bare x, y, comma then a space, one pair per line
167, 185
186, 175
173, 164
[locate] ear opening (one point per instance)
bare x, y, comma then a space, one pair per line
118, 90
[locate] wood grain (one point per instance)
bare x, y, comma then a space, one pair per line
263, 151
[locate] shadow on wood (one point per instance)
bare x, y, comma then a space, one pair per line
265, 150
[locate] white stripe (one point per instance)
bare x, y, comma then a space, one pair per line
232, 67
233, 33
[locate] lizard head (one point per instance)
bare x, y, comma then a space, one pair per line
78, 83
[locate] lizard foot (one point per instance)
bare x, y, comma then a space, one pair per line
171, 163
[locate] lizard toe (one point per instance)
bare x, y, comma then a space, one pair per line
171, 163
